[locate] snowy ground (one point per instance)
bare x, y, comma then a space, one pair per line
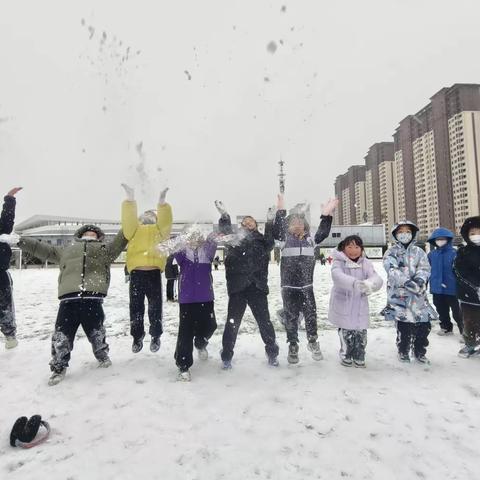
314, 420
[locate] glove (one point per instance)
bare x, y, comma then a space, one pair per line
161, 198
130, 192
10, 238
412, 286
271, 214
220, 207
419, 281
329, 207
364, 286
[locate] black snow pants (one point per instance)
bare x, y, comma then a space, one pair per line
352, 344
443, 305
145, 283
413, 335
87, 312
471, 320
197, 324
171, 289
7, 310
296, 301
237, 303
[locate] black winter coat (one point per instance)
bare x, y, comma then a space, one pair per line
7, 219
247, 263
171, 269
467, 265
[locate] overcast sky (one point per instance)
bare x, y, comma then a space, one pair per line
202, 101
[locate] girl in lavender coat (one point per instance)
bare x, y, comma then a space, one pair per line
195, 296
354, 278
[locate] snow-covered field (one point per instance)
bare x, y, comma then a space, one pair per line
314, 420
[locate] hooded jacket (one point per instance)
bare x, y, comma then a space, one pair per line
348, 306
195, 283
298, 254
246, 263
7, 219
404, 265
467, 266
84, 265
143, 239
442, 279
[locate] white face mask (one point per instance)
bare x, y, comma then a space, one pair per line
475, 239
88, 238
440, 243
405, 237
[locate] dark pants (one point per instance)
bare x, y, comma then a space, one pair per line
352, 344
471, 323
296, 301
413, 335
7, 310
258, 303
197, 324
171, 289
72, 313
443, 305
145, 283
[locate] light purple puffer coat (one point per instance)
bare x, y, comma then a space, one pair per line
348, 306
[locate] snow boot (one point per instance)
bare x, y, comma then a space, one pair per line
226, 365
292, 357
422, 359
137, 345
155, 344
314, 347
404, 357
57, 377
202, 353
467, 352
273, 361
443, 333
105, 363
184, 376
10, 342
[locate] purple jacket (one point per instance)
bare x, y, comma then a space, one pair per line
348, 306
195, 283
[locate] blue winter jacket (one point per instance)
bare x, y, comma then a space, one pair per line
442, 279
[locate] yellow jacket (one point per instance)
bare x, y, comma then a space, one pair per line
143, 239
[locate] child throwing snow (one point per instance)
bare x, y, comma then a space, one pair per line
467, 271
195, 296
408, 271
354, 278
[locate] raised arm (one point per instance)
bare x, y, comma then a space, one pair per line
224, 223
280, 223
116, 246
41, 250
268, 234
326, 220
129, 213
7, 217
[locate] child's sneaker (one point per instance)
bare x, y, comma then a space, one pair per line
155, 344
314, 347
292, 357
346, 362
404, 357
137, 345
202, 353
184, 376
359, 363
467, 352
422, 359
57, 377
10, 342
105, 363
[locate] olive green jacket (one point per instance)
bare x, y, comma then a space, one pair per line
84, 265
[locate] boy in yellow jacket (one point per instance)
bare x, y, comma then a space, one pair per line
145, 265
